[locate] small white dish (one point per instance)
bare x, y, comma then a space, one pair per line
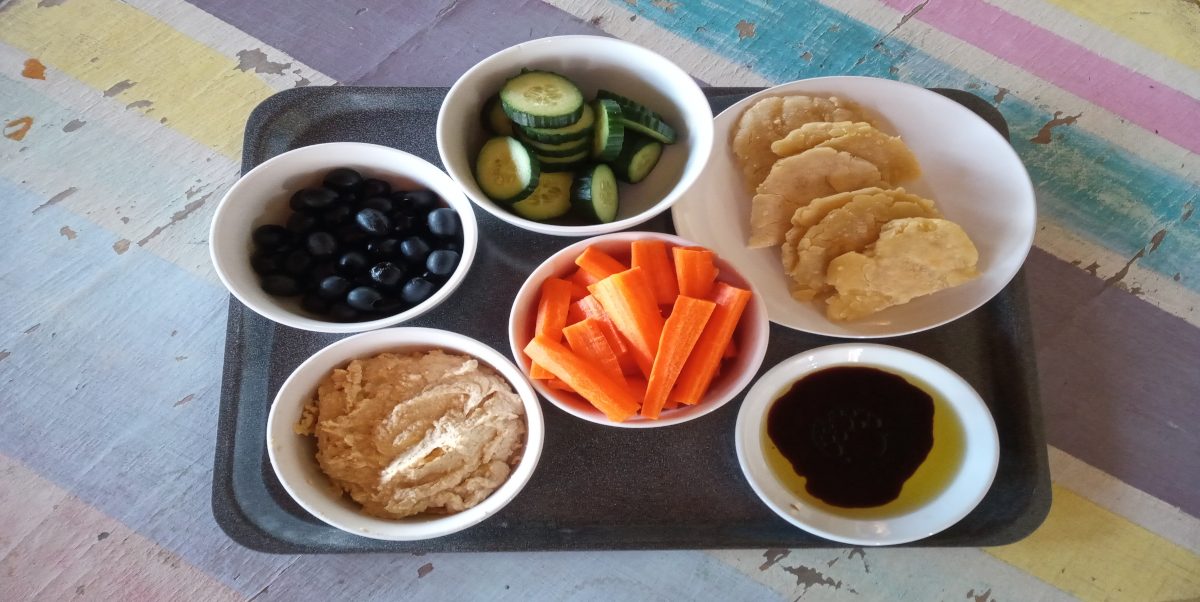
969, 170
261, 197
980, 455
592, 62
293, 457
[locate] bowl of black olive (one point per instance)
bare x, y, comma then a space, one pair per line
343, 237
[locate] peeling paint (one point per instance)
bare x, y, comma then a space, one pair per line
177, 217
745, 29
68, 232
985, 596
118, 88
1092, 268
4, 354
187, 398
1044, 135
73, 125
17, 128
807, 577
1115, 278
424, 569
56, 199
34, 69
256, 59
139, 104
666, 5
50, 3
773, 556
33, 329
121, 246
861, 554
807, 56
1157, 239
1000, 94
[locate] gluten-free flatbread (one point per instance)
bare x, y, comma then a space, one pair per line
839, 225
897, 164
811, 134
771, 119
913, 257
795, 181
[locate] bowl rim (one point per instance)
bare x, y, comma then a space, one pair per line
748, 439
703, 408
704, 137
411, 529
469, 225
1024, 181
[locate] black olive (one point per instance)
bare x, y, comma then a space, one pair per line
416, 290
324, 268
312, 199
402, 223
379, 203
271, 237
343, 179
321, 244
296, 262
349, 235
442, 262
280, 285
372, 221
383, 247
340, 312
351, 263
422, 200
301, 223
443, 222
373, 187
363, 298
333, 287
336, 215
387, 274
414, 250
315, 304
267, 263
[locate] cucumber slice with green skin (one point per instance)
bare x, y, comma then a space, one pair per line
494, 119
610, 130
551, 199
637, 158
541, 99
505, 170
595, 194
558, 164
576, 131
641, 119
562, 149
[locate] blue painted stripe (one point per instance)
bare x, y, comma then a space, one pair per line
1098, 190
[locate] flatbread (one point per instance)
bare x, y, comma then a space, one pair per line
811, 134
771, 119
896, 162
913, 257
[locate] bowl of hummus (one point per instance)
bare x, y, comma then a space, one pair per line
405, 433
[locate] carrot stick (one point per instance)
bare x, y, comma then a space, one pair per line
637, 384
651, 255
582, 278
630, 303
589, 380
694, 270
551, 316
731, 350
575, 313
554, 383
587, 340
598, 264
702, 365
591, 308
679, 336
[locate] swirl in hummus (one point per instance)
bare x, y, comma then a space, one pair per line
420, 432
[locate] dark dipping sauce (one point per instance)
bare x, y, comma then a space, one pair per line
856, 434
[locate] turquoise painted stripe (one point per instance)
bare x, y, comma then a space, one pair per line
1102, 192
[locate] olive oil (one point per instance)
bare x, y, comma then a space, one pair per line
936, 469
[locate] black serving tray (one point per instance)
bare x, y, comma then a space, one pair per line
595, 487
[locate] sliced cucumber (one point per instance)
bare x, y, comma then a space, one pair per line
541, 99
557, 164
551, 199
638, 118
595, 194
610, 130
548, 149
576, 131
494, 118
506, 171
638, 157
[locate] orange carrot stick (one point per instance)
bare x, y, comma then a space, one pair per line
575, 313
629, 302
598, 264
731, 350
702, 365
582, 278
637, 384
554, 383
551, 316
694, 270
679, 336
587, 340
589, 380
651, 255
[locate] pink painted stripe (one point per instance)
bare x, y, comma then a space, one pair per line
1139, 99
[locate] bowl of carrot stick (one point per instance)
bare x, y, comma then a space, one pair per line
638, 330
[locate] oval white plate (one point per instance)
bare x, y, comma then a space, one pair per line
969, 169
974, 477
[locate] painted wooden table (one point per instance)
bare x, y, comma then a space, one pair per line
122, 127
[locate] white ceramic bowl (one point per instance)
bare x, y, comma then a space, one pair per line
592, 62
294, 456
261, 197
970, 171
967, 487
751, 335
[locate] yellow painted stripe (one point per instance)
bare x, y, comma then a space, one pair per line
1097, 555
109, 45
1168, 27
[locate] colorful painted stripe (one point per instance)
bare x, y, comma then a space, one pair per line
1168, 28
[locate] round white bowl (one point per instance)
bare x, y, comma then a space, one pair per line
969, 170
592, 62
751, 335
972, 481
261, 197
294, 456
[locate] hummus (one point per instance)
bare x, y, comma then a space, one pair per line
421, 432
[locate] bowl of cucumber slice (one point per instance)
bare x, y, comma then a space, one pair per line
575, 135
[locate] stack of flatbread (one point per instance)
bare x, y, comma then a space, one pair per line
825, 190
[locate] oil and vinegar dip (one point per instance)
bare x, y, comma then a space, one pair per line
863, 442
